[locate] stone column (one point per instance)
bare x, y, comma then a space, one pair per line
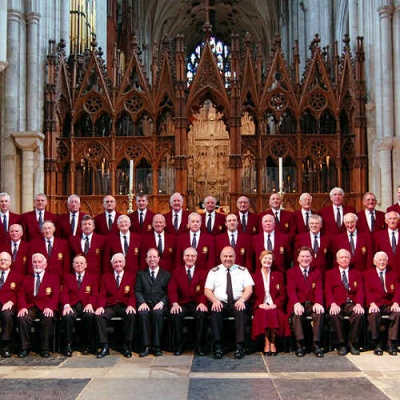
3, 34
28, 142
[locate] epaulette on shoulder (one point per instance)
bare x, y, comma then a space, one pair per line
215, 269
241, 268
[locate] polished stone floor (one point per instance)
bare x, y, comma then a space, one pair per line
193, 377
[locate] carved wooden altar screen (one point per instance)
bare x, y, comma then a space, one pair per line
217, 131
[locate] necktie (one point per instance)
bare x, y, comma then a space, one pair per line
305, 274
229, 289
109, 222
382, 280
394, 242
244, 225
176, 226
315, 245
49, 247
73, 222
118, 280
372, 222
79, 280
233, 244
345, 281
338, 218
189, 275
307, 216
86, 247
5, 223
125, 246
153, 276
194, 241
159, 244
277, 217
2, 279
37, 284
141, 219
14, 253
209, 221
40, 220
352, 244
269, 243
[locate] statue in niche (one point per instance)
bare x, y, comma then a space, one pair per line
248, 126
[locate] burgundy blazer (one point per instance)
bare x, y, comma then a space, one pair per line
95, 255
113, 246
205, 250
282, 250
23, 261
381, 242
394, 207
47, 297
277, 289
374, 292
9, 290
72, 294
335, 292
111, 295
243, 249
31, 226
329, 225
219, 223
299, 290
284, 222
252, 223
323, 259
13, 219
147, 226
182, 292
167, 258
297, 224
101, 224
64, 230
59, 262
362, 224
362, 257
183, 227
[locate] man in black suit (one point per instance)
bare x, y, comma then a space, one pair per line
152, 301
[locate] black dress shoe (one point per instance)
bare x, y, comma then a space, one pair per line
24, 353
354, 351
157, 352
239, 353
127, 353
200, 352
378, 351
318, 352
6, 353
342, 351
178, 351
68, 351
145, 352
85, 351
392, 350
267, 353
218, 352
299, 352
105, 351
45, 354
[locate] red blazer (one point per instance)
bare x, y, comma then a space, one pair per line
284, 221
31, 226
297, 224
335, 292
329, 225
101, 224
219, 223
72, 294
282, 250
362, 224
113, 246
167, 259
374, 292
110, 295
64, 230
323, 259
243, 249
59, 262
299, 290
394, 207
362, 257
183, 227
205, 250
381, 242
252, 223
47, 297
277, 289
23, 261
147, 226
13, 218
9, 290
95, 255
182, 292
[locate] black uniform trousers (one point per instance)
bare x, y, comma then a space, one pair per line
299, 321
375, 320
151, 326
7, 319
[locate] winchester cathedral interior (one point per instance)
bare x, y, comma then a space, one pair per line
199, 97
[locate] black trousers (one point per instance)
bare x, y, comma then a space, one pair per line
151, 326
188, 309
356, 321
7, 319
375, 320
299, 321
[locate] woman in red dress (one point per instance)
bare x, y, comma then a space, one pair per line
269, 301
